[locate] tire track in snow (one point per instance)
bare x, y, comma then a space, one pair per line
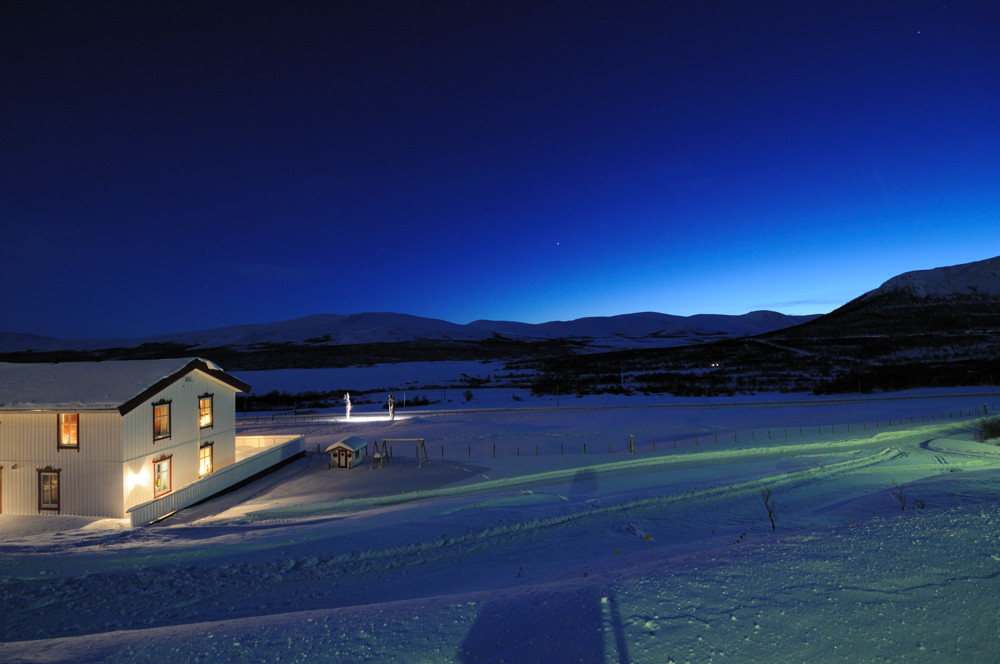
266, 581
427, 550
649, 463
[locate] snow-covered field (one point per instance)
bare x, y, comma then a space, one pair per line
541, 552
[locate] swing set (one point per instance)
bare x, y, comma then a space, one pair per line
382, 453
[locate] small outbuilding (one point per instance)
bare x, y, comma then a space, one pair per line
348, 452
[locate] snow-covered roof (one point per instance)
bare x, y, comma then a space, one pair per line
353, 443
95, 385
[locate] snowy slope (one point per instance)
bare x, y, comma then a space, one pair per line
665, 555
976, 279
949, 314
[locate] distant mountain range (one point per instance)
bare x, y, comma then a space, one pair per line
922, 328
925, 328
642, 329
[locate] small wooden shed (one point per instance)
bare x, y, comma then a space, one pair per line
347, 453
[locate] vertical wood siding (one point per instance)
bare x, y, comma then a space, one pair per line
186, 436
113, 470
29, 441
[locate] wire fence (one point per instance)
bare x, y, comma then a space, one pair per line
547, 445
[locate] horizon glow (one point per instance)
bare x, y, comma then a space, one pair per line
171, 169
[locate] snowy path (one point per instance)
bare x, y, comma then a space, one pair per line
591, 558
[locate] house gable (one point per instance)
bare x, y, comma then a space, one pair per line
167, 381
103, 460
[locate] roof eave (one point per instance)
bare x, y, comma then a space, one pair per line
195, 364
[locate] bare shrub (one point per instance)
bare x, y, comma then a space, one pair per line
766, 494
989, 428
898, 494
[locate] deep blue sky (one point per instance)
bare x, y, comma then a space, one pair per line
171, 166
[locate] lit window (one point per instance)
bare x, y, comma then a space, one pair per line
205, 459
205, 411
161, 476
69, 431
48, 489
161, 420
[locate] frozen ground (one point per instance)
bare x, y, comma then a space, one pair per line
544, 553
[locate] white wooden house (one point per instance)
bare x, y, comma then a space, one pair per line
97, 438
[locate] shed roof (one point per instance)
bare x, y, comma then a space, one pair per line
353, 443
122, 385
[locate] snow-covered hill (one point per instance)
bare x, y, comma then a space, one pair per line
977, 279
943, 304
646, 325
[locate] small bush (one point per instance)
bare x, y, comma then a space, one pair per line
899, 495
766, 494
988, 428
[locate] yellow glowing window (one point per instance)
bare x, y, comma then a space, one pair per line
69, 430
205, 459
205, 411
161, 420
161, 476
